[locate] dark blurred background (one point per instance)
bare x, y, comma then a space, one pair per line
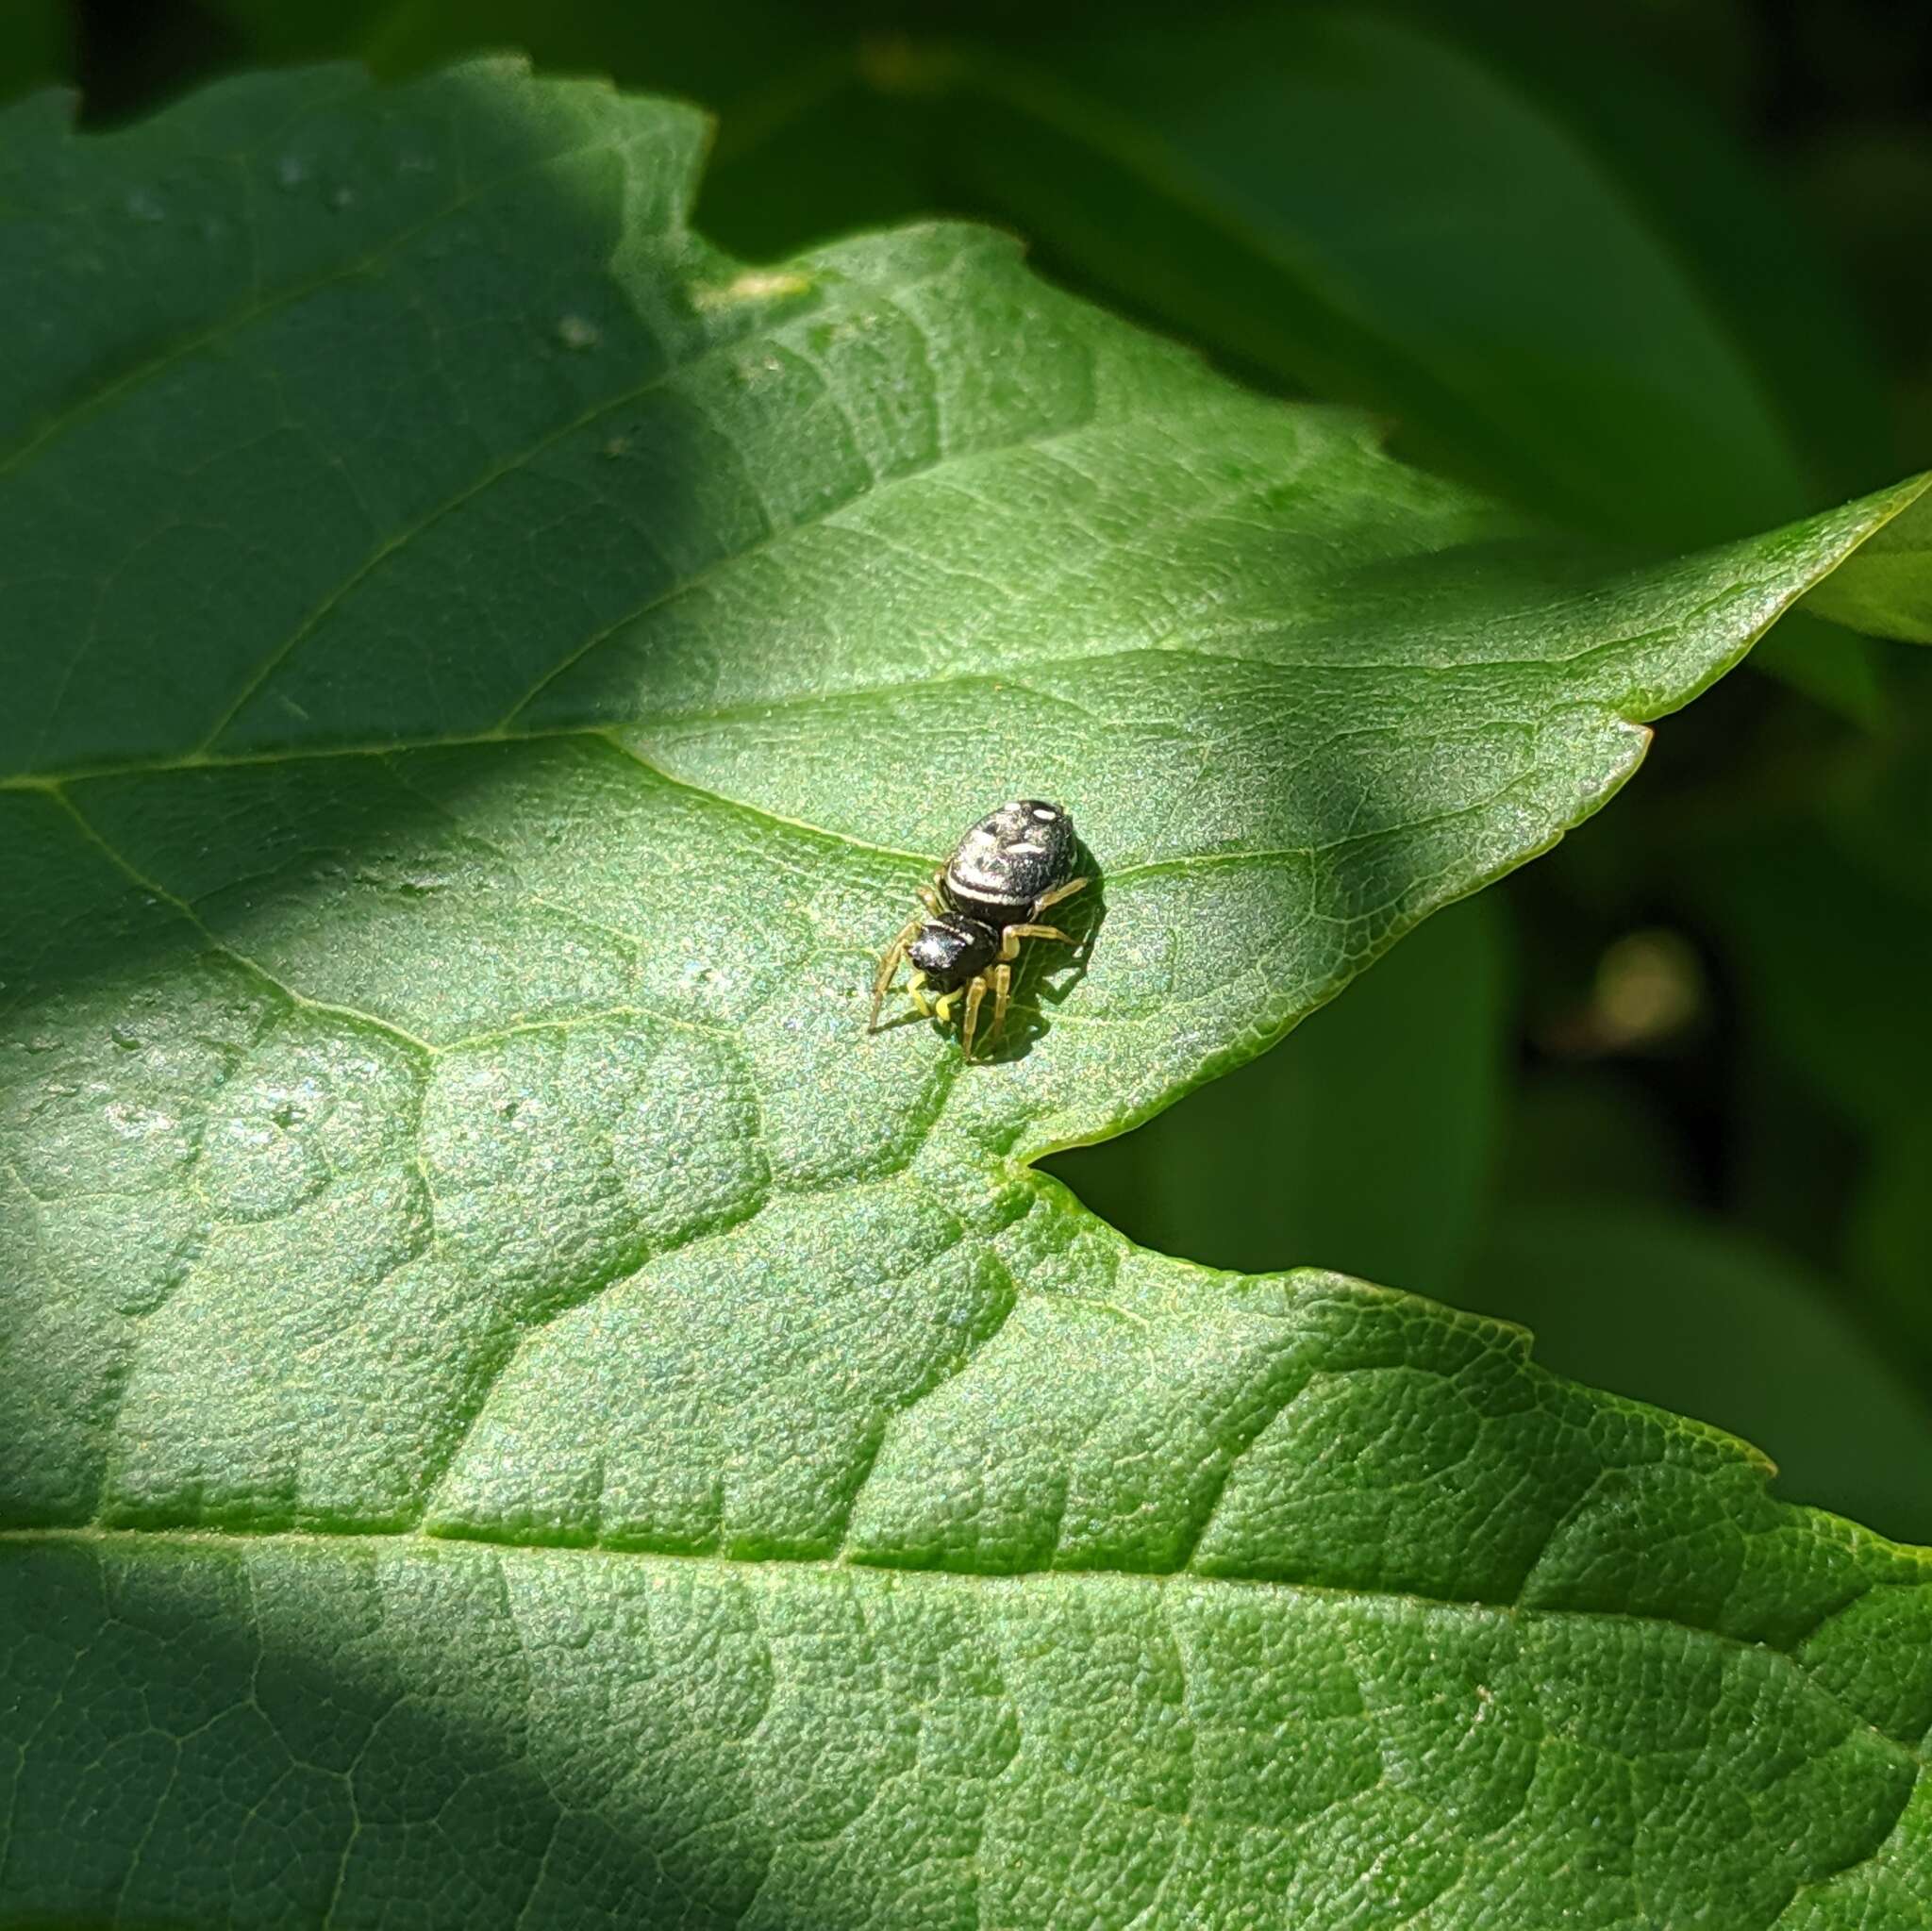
1659, 271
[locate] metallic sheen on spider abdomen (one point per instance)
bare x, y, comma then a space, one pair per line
987, 899
1010, 860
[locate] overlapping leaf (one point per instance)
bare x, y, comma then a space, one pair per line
1889, 593
519, 1411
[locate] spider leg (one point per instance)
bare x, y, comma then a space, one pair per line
1010, 943
1059, 892
888, 966
975, 991
916, 986
929, 898
943, 1006
1002, 990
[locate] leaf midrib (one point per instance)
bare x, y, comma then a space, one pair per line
1167, 647
1185, 861
227, 1539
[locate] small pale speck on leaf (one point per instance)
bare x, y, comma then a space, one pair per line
754, 285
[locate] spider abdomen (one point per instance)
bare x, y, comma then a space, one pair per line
1009, 860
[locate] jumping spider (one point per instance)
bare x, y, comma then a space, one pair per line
1006, 871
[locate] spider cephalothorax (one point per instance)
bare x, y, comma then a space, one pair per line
988, 896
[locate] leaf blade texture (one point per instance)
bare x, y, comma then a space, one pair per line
528, 1413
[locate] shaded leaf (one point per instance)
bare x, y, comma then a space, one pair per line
1672, 1309
1835, 993
1890, 591
37, 47
1638, 338
1570, 1122
1274, 185
1367, 210
1890, 1240
1840, 989
1365, 1142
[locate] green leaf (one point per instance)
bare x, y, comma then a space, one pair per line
1672, 1308
37, 47
1401, 224
311, 29
1592, 1120
1891, 1241
1636, 330
1639, 339
1837, 997
1364, 1142
519, 1410
1541, 266
1888, 590
1852, 1021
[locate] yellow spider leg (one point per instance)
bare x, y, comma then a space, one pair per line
889, 966
1009, 943
975, 991
1002, 988
932, 900
1059, 892
916, 986
943, 1006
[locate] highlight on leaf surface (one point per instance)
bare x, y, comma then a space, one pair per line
520, 1406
